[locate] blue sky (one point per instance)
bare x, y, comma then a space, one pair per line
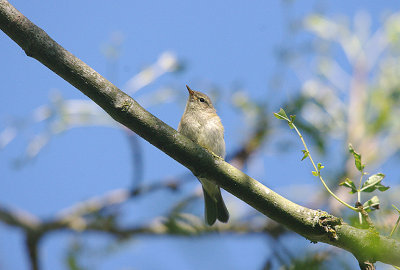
221, 44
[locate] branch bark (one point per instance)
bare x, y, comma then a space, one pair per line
315, 225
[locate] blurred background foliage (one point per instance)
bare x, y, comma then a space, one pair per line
347, 91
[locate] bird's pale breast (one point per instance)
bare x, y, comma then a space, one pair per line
209, 134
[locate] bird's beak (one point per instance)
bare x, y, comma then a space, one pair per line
191, 92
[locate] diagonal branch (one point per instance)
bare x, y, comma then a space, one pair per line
315, 225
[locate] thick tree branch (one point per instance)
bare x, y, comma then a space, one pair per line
315, 225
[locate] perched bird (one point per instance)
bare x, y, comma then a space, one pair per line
201, 124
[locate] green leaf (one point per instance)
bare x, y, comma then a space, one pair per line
281, 115
396, 208
306, 153
314, 173
382, 187
349, 184
357, 158
372, 204
373, 183
320, 166
291, 125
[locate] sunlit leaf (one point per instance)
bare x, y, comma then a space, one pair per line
281, 115
357, 158
320, 166
291, 125
373, 183
349, 184
372, 204
306, 153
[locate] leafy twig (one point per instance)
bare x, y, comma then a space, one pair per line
282, 115
373, 183
360, 167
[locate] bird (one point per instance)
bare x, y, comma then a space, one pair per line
201, 124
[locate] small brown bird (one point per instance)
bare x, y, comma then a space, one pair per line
201, 124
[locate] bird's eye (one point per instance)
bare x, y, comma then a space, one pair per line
201, 99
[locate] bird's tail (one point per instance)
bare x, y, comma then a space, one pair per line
215, 207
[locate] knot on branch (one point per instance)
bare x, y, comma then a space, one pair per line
366, 265
126, 105
327, 223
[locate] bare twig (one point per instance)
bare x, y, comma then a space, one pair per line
32, 239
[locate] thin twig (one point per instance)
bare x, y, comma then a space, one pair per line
319, 174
